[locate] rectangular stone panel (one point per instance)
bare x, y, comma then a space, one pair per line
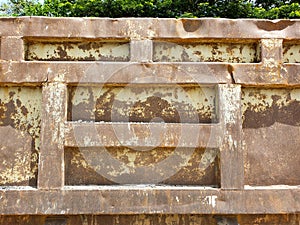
291, 52
140, 103
206, 51
124, 165
271, 128
145, 219
76, 50
20, 111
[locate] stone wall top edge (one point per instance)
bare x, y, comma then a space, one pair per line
140, 18
149, 28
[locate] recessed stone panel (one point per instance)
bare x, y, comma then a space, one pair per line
20, 110
206, 51
271, 127
80, 50
123, 165
169, 104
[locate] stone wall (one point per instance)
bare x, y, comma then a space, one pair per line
149, 121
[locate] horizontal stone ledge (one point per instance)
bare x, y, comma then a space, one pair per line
108, 134
262, 75
140, 28
148, 200
20, 73
114, 73
120, 73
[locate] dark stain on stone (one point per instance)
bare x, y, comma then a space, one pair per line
185, 57
77, 173
8, 113
63, 55
82, 111
192, 174
19, 103
221, 220
9, 117
191, 25
104, 106
11, 94
287, 113
270, 26
24, 110
152, 109
142, 158
216, 55
286, 47
87, 46
230, 70
62, 52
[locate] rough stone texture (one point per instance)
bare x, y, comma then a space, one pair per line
141, 50
199, 116
20, 119
76, 51
9, 43
15, 153
291, 52
94, 167
208, 51
271, 116
150, 219
169, 104
229, 104
51, 171
143, 219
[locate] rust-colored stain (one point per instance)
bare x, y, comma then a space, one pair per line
276, 25
77, 51
167, 51
86, 167
291, 52
19, 120
263, 107
143, 104
271, 116
190, 25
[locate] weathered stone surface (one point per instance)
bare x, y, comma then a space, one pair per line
16, 157
148, 27
66, 50
20, 109
149, 135
132, 103
150, 199
147, 219
291, 52
206, 51
12, 48
51, 170
231, 165
271, 125
157, 90
94, 166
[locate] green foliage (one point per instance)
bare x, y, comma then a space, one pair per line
20, 8
225, 9
263, 9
